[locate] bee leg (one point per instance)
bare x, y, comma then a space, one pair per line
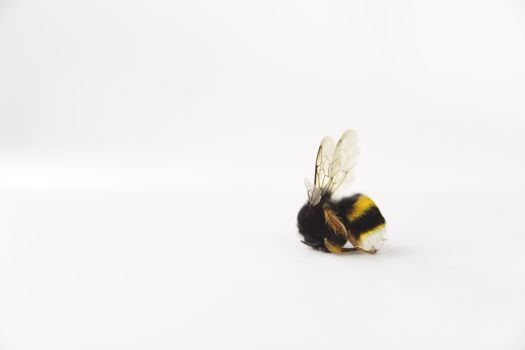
334, 222
353, 249
353, 241
371, 251
336, 249
309, 244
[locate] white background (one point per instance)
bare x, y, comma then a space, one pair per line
152, 156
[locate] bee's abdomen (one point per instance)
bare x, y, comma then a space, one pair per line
364, 220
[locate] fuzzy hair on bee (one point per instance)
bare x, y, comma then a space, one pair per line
339, 225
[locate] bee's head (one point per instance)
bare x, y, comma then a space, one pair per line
310, 223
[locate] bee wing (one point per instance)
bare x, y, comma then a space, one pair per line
344, 161
334, 165
322, 180
314, 192
323, 164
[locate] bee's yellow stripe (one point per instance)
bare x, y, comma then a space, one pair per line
360, 207
370, 232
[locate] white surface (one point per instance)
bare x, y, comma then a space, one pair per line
152, 157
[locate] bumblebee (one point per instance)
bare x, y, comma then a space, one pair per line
328, 224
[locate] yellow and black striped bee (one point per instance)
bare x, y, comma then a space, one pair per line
328, 224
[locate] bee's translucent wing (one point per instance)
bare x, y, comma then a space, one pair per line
333, 166
322, 180
323, 162
344, 160
314, 192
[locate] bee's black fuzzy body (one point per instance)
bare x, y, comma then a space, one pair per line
313, 227
358, 213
